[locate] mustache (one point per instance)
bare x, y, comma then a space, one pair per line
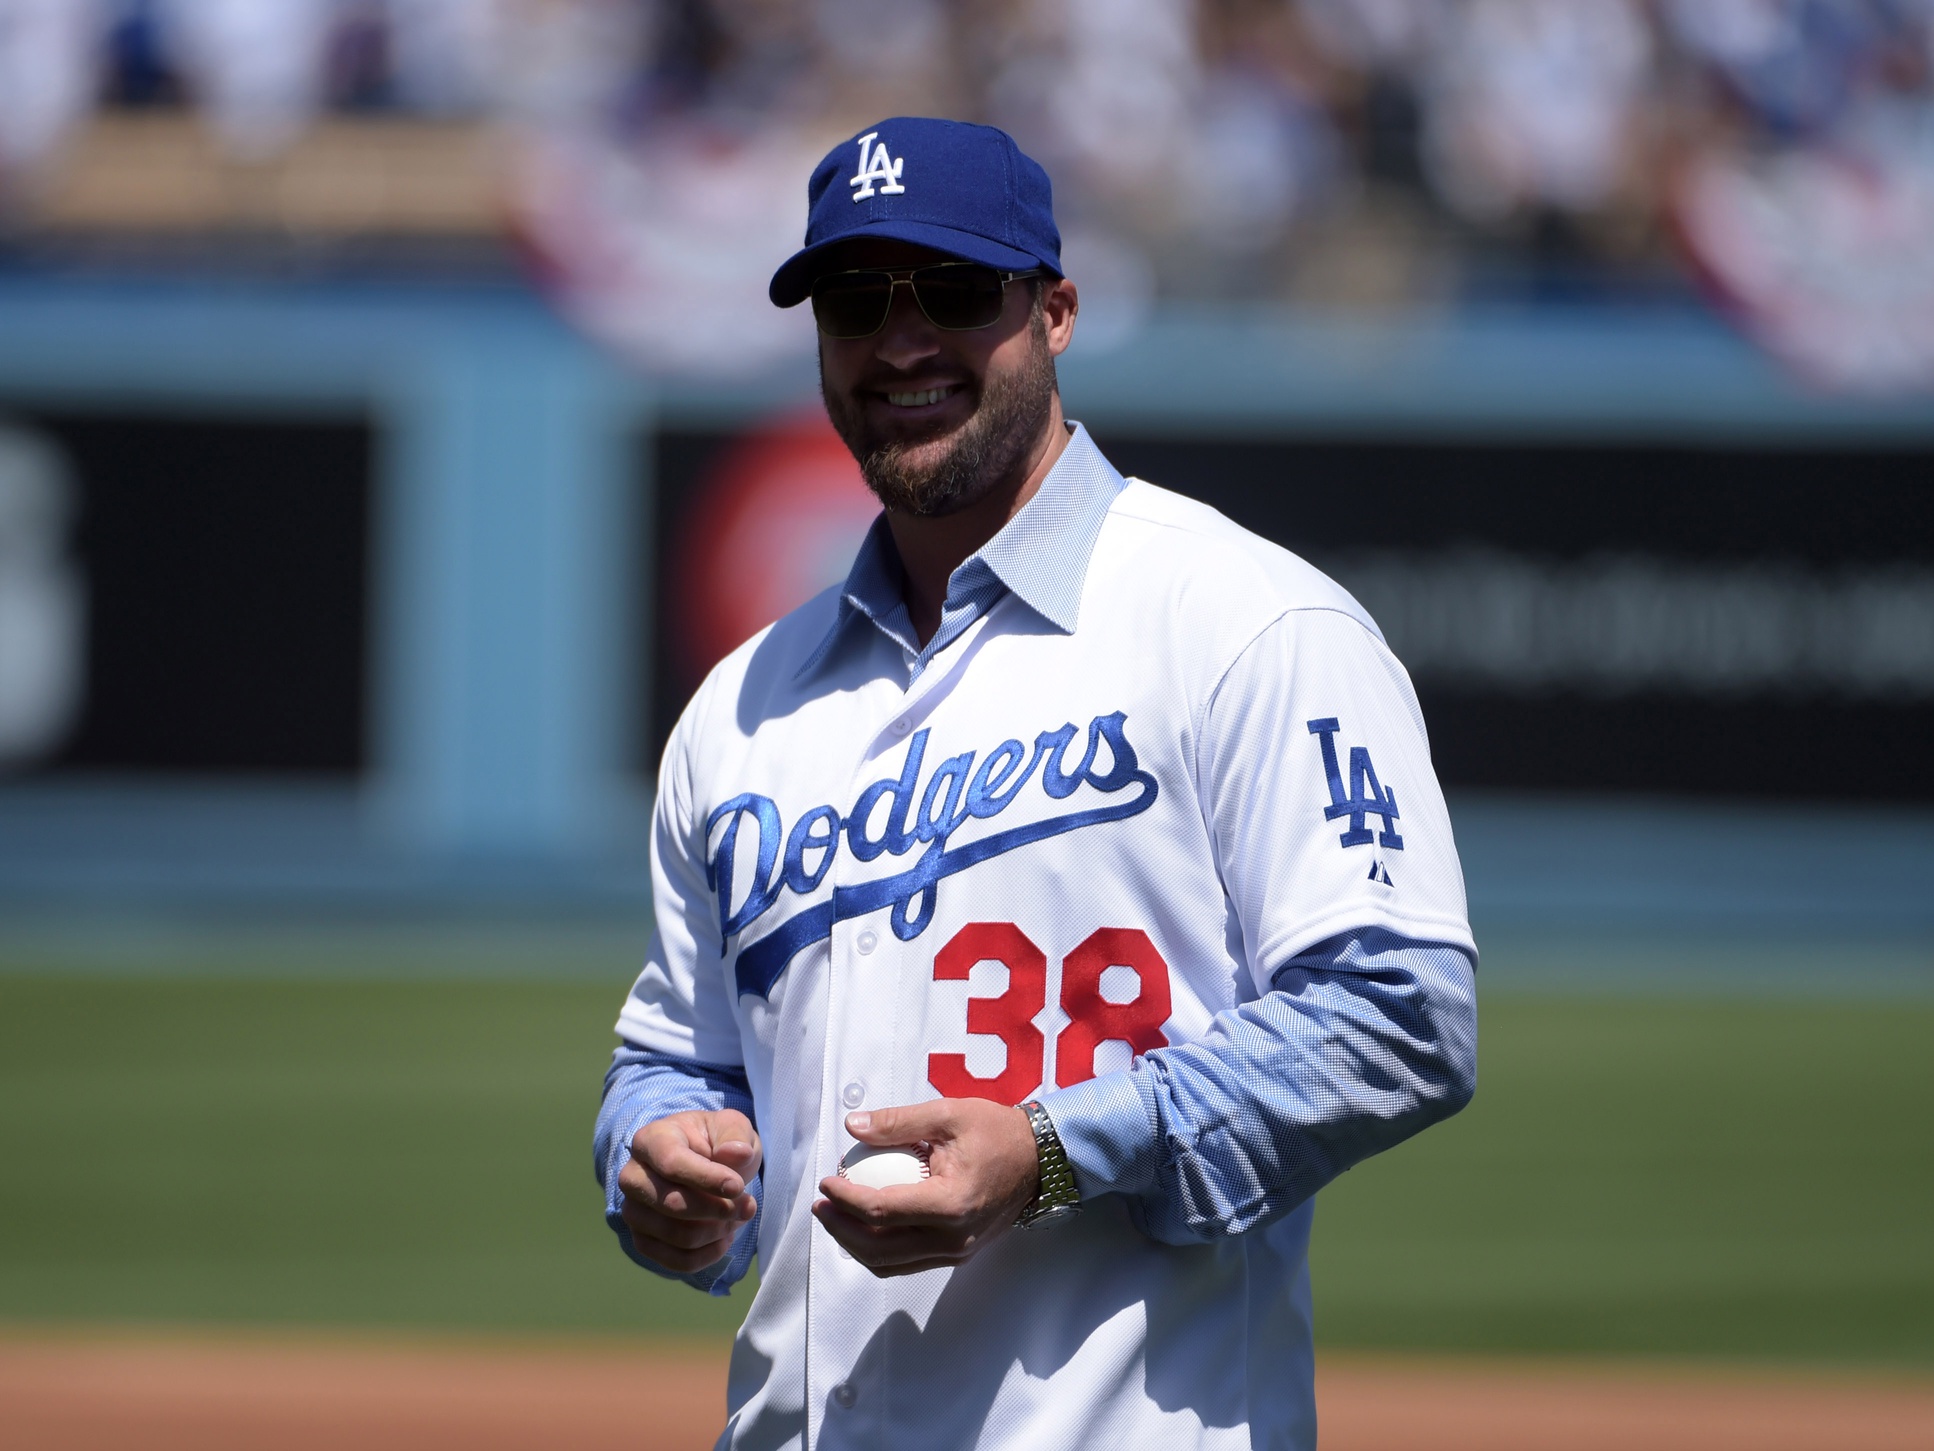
885, 379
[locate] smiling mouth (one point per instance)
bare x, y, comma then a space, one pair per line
921, 398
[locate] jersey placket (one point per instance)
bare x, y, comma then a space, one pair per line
847, 1399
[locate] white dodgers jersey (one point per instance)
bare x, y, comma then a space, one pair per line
1055, 851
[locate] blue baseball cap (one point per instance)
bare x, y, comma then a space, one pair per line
962, 189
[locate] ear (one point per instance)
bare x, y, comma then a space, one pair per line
1060, 301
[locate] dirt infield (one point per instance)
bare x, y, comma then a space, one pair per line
1396, 1405
159, 1393
181, 1394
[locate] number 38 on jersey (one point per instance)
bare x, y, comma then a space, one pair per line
1094, 1015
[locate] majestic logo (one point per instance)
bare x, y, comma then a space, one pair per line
876, 165
1367, 795
956, 792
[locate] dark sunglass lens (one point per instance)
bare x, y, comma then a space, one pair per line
852, 306
961, 297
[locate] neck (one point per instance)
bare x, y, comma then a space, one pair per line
931, 549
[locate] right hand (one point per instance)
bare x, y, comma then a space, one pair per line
684, 1190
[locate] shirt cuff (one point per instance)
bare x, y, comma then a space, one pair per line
1109, 1132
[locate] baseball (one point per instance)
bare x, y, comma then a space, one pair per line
883, 1168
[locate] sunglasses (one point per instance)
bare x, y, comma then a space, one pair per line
955, 297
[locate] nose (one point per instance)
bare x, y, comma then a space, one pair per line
908, 338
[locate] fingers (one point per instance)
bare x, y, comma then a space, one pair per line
934, 1202
678, 1150
681, 1261
640, 1185
680, 1245
647, 1223
694, 1166
677, 1228
677, 1163
914, 1123
683, 1194
895, 1250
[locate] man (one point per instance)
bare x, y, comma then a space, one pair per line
1080, 836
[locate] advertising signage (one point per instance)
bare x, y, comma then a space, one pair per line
1727, 621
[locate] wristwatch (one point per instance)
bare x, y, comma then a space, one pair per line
1057, 1197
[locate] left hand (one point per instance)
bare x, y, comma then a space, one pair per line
982, 1173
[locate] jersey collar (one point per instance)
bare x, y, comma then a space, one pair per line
1041, 555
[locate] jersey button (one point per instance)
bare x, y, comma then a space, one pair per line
902, 726
853, 1095
866, 942
845, 1395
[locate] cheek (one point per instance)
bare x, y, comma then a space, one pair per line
1006, 349
1012, 364
845, 362
835, 370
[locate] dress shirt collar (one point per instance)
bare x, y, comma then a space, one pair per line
1041, 555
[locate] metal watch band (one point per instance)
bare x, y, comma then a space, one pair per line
1057, 1195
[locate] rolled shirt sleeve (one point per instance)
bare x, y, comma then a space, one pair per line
642, 1086
1335, 850
1365, 1039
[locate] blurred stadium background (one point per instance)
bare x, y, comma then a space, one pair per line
393, 429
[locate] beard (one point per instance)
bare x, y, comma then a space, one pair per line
931, 475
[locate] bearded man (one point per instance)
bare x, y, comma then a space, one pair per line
1081, 846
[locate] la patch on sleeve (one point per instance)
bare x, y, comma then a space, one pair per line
1366, 797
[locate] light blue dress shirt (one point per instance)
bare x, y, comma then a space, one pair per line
1362, 1040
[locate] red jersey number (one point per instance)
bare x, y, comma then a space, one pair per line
1010, 1016
1138, 1022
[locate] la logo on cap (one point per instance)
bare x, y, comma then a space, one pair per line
876, 165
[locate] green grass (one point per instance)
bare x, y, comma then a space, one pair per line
368, 1153
1729, 1178
1656, 1176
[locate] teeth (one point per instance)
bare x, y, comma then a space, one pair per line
917, 400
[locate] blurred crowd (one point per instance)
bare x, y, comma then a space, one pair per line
1347, 152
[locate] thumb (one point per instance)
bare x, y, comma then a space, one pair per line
888, 1127
733, 1142
740, 1157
